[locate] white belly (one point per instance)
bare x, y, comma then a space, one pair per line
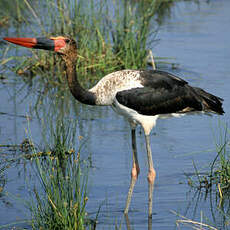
147, 122
135, 118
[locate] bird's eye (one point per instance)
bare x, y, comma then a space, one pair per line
67, 40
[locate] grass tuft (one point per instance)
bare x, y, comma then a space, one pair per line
61, 202
60, 199
218, 177
59, 191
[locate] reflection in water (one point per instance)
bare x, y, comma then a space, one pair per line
128, 224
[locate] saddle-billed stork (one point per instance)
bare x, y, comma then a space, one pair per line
141, 96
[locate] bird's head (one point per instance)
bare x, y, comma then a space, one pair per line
65, 46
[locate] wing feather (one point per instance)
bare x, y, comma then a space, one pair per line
162, 93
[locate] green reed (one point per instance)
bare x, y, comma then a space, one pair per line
220, 167
60, 200
110, 35
218, 176
214, 185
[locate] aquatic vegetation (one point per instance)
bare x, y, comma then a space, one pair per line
183, 221
2, 179
4, 21
11, 11
215, 183
9, 158
60, 199
220, 167
61, 203
218, 177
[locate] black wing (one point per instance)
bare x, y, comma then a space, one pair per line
164, 93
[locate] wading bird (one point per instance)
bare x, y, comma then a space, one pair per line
141, 96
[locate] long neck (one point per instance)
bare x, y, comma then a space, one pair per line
82, 95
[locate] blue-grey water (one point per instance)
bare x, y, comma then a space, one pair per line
197, 37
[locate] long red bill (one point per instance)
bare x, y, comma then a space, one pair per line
36, 43
27, 42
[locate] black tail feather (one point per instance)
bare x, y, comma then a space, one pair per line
210, 102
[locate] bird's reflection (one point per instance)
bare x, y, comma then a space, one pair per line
128, 225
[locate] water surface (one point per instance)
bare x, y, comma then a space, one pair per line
197, 36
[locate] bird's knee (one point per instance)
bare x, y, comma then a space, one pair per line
135, 172
151, 176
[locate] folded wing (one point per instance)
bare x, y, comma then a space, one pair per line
163, 93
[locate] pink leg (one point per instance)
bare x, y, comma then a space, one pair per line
134, 172
151, 175
151, 179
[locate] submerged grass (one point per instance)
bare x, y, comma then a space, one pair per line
192, 224
2, 179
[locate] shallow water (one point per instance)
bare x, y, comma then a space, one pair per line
197, 36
